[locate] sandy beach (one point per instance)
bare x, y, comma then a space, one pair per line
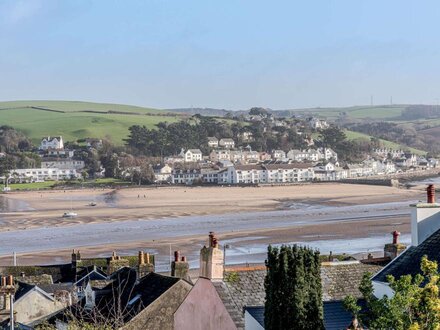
45, 208
43, 211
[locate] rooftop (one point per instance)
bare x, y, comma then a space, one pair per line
408, 263
244, 286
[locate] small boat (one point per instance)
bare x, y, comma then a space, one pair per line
70, 214
92, 204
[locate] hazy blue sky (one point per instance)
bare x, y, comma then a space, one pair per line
225, 54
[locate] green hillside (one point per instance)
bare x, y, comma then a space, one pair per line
390, 112
75, 120
352, 135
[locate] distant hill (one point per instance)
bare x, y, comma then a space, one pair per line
75, 120
203, 111
382, 112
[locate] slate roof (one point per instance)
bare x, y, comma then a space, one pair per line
23, 288
257, 313
52, 288
39, 280
245, 286
340, 279
336, 317
408, 263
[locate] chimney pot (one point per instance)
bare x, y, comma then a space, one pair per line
141, 258
147, 258
396, 235
431, 193
184, 259
3, 281
176, 255
10, 280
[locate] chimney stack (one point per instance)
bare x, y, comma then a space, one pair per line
141, 258
431, 194
180, 267
145, 264
396, 235
394, 249
211, 259
115, 263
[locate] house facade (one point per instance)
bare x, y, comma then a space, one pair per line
227, 143
193, 155
54, 142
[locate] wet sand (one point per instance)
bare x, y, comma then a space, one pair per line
313, 206
45, 209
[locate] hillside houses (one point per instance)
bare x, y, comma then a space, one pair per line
316, 123
226, 143
312, 155
212, 142
54, 142
193, 155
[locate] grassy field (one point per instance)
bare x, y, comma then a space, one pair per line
75, 106
352, 135
75, 124
53, 184
383, 112
32, 186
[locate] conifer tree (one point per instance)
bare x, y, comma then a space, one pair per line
293, 289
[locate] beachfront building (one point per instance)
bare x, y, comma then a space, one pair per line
188, 174
43, 174
63, 164
54, 142
162, 173
270, 173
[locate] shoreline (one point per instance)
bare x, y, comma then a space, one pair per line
255, 215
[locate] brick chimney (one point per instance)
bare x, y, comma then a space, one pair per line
115, 263
392, 250
430, 190
425, 218
211, 259
76, 260
145, 264
180, 267
7, 288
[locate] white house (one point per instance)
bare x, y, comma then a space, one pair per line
327, 154
247, 136
55, 142
186, 175
162, 173
227, 143
317, 123
193, 155
43, 174
246, 174
425, 240
212, 142
278, 154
